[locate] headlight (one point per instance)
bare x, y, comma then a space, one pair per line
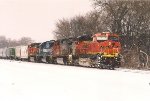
99, 57
105, 53
116, 54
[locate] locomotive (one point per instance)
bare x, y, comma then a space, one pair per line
33, 49
44, 53
101, 50
62, 49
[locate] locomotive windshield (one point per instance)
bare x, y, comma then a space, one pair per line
113, 38
104, 38
46, 45
35, 45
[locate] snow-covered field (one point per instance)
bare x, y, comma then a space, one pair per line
23, 81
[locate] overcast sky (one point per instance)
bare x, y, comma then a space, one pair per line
37, 18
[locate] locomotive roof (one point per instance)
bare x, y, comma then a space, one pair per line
85, 35
51, 41
34, 43
106, 34
66, 39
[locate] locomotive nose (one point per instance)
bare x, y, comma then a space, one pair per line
111, 49
111, 52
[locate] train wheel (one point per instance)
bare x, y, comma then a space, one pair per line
29, 59
38, 59
111, 68
47, 60
34, 58
76, 62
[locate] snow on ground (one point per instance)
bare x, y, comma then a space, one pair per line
23, 81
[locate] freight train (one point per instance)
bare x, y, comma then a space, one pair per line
101, 50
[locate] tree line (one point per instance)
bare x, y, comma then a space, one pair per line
7, 42
130, 19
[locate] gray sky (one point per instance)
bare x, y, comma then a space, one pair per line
37, 18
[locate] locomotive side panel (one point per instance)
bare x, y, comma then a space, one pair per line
56, 49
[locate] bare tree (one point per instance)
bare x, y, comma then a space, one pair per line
62, 29
115, 10
128, 18
25, 41
3, 41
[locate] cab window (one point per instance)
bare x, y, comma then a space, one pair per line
113, 38
102, 38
